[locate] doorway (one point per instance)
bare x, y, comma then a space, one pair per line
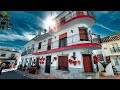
87, 63
48, 64
63, 63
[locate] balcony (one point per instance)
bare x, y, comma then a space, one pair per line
85, 17
74, 39
95, 38
30, 51
115, 50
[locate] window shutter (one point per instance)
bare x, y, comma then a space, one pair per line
63, 35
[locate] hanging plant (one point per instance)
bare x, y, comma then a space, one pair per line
78, 62
73, 57
43, 59
42, 62
96, 60
54, 58
70, 61
74, 62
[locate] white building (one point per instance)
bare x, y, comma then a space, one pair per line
111, 49
68, 51
9, 55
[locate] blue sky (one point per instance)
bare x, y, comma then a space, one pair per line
26, 25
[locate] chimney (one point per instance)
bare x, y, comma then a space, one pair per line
45, 31
39, 31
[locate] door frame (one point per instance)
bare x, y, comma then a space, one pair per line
92, 65
46, 63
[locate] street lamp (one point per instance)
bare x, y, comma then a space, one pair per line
5, 22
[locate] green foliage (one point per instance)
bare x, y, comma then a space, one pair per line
104, 64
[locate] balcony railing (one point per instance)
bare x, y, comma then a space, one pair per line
74, 39
30, 51
73, 14
115, 50
95, 38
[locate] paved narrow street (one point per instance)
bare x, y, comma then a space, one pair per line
12, 75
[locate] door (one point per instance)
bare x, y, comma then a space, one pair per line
87, 63
48, 64
37, 61
63, 62
63, 40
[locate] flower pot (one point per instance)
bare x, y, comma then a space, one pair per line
42, 63
103, 74
74, 62
78, 62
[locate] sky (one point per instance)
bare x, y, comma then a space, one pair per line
26, 25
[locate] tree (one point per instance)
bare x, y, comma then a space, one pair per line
5, 22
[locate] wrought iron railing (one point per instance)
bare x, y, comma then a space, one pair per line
70, 40
115, 50
73, 14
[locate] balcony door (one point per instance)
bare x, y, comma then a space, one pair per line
83, 34
49, 44
63, 40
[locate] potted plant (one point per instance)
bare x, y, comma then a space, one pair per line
103, 73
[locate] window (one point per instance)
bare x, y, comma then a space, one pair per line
12, 56
114, 48
83, 34
49, 44
3, 55
116, 62
63, 40
39, 47
62, 20
32, 46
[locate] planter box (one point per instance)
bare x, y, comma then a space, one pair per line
103, 74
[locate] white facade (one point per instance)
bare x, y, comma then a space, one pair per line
7, 57
73, 44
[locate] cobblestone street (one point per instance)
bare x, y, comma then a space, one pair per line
33, 76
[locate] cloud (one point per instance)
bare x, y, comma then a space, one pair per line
12, 44
100, 25
28, 36
12, 37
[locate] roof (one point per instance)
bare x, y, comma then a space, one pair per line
8, 50
113, 37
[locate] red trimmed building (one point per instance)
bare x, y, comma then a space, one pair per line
68, 51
